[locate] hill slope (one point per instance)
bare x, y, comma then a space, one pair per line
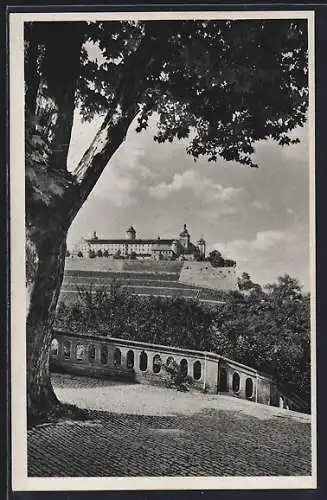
139, 278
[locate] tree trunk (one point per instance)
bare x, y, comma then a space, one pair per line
54, 197
45, 262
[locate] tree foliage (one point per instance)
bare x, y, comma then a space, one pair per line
116, 313
270, 330
222, 84
217, 260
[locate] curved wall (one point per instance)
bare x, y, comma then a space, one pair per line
139, 361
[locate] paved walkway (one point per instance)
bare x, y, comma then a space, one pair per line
139, 430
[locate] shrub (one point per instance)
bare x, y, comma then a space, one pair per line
80, 254
178, 379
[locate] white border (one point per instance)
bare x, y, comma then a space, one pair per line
20, 480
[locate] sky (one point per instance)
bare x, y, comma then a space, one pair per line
259, 217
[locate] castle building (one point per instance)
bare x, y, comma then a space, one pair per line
156, 248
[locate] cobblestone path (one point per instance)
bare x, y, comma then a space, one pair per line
210, 441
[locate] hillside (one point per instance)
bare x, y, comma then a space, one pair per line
140, 278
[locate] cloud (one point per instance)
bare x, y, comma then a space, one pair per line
261, 205
270, 254
243, 250
129, 158
115, 189
199, 185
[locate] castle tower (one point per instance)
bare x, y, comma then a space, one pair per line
174, 247
131, 233
202, 247
184, 238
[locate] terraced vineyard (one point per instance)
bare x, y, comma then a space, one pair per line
148, 283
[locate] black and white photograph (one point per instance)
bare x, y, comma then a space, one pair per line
162, 250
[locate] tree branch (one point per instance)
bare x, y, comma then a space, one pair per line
131, 86
62, 80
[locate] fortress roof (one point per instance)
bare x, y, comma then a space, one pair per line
130, 242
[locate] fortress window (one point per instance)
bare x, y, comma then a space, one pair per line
80, 352
67, 349
130, 359
117, 357
54, 347
249, 387
197, 370
143, 361
236, 382
91, 352
156, 363
184, 367
104, 354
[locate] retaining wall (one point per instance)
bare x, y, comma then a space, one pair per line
106, 264
203, 274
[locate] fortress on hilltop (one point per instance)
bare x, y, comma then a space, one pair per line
138, 248
184, 261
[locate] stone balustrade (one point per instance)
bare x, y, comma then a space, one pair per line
142, 362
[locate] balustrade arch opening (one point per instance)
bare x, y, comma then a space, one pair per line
236, 382
249, 388
67, 348
54, 348
156, 364
197, 370
117, 357
91, 353
130, 359
143, 361
104, 354
184, 367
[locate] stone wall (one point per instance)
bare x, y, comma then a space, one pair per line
129, 360
203, 274
97, 366
99, 264
105, 264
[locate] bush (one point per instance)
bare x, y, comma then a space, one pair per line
92, 254
106, 253
99, 253
79, 254
178, 379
